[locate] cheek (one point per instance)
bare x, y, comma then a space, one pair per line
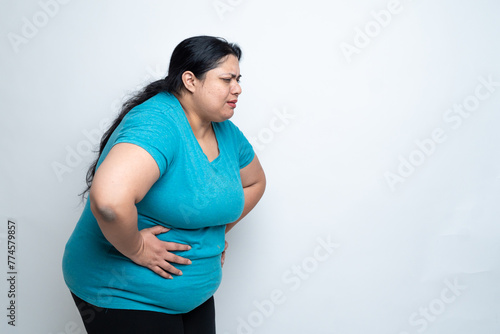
215, 96
219, 94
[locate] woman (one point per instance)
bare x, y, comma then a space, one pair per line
172, 177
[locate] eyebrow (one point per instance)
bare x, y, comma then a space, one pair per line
233, 75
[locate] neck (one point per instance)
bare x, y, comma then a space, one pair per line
201, 127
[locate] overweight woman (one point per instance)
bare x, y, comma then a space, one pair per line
173, 176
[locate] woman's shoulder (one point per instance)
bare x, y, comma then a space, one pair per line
160, 103
161, 109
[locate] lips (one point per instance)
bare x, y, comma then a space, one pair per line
232, 103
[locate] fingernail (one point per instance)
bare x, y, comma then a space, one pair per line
190, 262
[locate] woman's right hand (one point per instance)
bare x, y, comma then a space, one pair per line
155, 254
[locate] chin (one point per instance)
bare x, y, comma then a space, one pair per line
225, 116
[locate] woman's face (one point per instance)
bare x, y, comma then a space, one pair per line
216, 95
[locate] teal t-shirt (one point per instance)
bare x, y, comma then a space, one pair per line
194, 197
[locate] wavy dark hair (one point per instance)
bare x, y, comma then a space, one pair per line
198, 54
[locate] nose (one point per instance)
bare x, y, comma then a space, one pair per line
236, 90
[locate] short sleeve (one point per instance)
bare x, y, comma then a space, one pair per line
245, 149
151, 129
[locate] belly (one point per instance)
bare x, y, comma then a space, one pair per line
96, 272
130, 283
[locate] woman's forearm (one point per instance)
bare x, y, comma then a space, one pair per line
119, 226
252, 195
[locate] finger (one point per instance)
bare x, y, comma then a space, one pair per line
158, 229
167, 267
173, 246
177, 259
223, 258
161, 272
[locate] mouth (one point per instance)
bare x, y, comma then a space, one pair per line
232, 103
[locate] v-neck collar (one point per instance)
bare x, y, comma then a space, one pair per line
193, 137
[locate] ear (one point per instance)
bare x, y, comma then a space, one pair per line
190, 81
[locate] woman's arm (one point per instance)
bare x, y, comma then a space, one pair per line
121, 181
253, 181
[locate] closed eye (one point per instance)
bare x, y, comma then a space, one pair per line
228, 80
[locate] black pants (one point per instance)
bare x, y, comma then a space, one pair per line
99, 320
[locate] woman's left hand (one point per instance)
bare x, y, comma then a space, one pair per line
223, 257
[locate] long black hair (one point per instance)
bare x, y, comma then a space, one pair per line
198, 54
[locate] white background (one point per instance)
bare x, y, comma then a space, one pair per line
332, 129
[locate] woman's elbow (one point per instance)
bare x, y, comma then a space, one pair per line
105, 207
